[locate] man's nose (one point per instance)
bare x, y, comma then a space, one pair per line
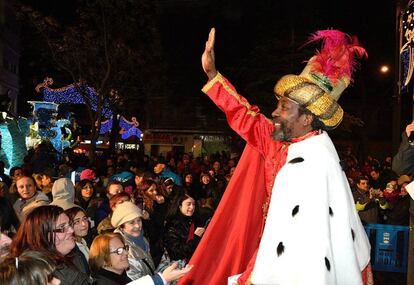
275, 113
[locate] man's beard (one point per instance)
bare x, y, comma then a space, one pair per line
279, 134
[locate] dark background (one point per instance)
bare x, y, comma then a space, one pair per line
256, 43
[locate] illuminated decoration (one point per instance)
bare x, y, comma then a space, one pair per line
63, 135
45, 126
44, 113
406, 51
13, 137
129, 128
106, 126
72, 94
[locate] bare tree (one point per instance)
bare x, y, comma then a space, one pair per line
108, 45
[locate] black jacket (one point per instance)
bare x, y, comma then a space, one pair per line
105, 277
68, 275
176, 236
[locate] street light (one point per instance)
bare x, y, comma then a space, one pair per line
384, 69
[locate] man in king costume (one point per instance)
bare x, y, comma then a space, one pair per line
288, 216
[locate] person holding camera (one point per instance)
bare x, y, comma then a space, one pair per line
403, 161
368, 201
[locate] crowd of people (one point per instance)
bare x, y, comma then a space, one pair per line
126, 218
138, 219
378, 189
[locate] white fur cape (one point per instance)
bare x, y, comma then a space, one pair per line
313, 234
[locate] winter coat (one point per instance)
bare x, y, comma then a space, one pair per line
176, 238
69, 275
105, 277
63, 193
140, 261
23, 207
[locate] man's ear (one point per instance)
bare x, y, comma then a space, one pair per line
308, 119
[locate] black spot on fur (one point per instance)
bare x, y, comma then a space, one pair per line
295, 210
343, 164
296, 160
353, 234
328, 264
330, 212
280, 249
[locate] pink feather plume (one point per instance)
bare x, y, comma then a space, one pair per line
337, 56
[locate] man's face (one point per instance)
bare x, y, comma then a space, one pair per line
159, 167
363, 185
115, 189
374, 175
110, 171
288, 123
46, 180
216, 165
17, 174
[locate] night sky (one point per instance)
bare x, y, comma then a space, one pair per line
246, 32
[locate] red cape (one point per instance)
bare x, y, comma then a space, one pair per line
233, 235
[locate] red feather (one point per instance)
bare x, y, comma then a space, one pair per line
337, 57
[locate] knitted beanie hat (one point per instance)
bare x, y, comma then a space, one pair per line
125, 212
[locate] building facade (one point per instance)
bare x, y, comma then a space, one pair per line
9, 57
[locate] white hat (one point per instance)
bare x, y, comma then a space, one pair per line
127, 211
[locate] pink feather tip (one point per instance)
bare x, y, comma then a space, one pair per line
337, 57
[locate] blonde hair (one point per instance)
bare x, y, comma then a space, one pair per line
99, 253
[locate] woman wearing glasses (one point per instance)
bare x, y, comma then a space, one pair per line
48, 228
126, 219
108, 260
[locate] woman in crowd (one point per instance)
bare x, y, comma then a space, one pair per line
38, 179
182, 235
126, 218
47, 228
147, 193
86, 198
104, 209
169, 191
154, 205
84, 193
29, 197
30, 268
188, 184
105, 225
46, 182
80, 224
206, 186
109, 262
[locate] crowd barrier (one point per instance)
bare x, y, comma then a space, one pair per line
389, 247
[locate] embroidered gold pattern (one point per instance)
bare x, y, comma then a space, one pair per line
306, 93
223, 82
